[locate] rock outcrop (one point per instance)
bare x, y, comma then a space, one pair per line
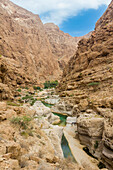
87, 82
89, 134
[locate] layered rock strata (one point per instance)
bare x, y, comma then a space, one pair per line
87, 83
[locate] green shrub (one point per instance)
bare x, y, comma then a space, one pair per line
33, 102
12, 104
93, 84
19, 90
21, 121
27, 97
50, 84
26, 88
37, 88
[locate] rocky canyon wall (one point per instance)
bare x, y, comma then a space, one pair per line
87, 82
23, 40
29, 48
63, 45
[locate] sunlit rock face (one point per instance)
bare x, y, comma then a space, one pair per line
24, 41
89, 72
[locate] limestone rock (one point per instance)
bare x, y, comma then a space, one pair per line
90, 130
41, 109
10, 164
107, 152
71, 121
14, 149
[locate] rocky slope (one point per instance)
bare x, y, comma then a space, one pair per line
87, 82
23, 39
63, 45
28, 138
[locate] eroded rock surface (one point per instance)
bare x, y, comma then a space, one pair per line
32, 146
87, 83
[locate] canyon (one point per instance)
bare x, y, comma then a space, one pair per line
35, 120
87, 82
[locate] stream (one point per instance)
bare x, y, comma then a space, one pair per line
64, 143
70, 145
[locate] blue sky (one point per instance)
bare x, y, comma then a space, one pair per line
84, 22
76, 17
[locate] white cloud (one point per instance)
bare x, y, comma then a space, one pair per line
58, 11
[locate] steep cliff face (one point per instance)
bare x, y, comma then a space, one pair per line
87, 82
63, 45
23, 39
90, 71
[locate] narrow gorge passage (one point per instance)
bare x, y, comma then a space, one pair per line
71, 147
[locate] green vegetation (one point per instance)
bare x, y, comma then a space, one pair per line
24, 124
12, 104
0, 55
96, 145
80, 75
37, 88
93, 84
27, 97
26, 88
71, 95
50, 84
27, 133
19, 90
21, 121
33, 102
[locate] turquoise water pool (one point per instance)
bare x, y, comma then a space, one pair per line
66, 150
62, 119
